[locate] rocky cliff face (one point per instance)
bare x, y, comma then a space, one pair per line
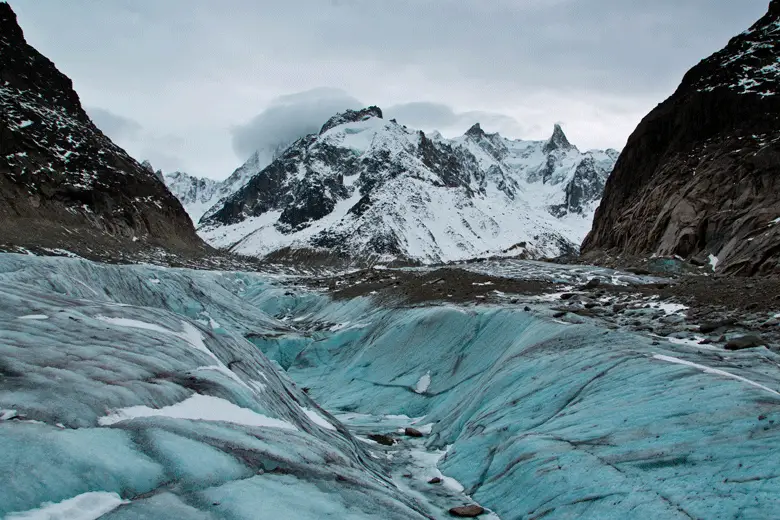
364, 188
700, 176
63, 184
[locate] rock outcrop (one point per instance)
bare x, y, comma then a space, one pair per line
65, 185
700, 176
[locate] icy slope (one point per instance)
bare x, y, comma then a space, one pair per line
114, 380
555, 420
107, 405
369, 188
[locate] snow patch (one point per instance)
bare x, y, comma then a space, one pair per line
190, 334
87, 506
199, 407
423, 383
317, 419
670, 308
710, 370
713, 261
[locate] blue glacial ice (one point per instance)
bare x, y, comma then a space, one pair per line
148, 385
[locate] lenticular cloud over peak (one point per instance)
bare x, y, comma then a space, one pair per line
289, 117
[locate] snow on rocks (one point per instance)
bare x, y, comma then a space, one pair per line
374, 189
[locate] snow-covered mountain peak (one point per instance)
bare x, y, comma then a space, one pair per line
369, 188
475, 131
558, 141
351, 116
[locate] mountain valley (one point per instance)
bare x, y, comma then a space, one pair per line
376, 322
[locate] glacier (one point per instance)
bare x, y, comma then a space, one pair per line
138, 391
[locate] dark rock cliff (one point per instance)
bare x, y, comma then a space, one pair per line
63, 184
700, 176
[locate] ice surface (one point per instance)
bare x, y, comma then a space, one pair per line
587, 423
532, 418
713, 261
122, 391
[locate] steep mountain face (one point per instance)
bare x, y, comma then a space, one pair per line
367, 188
63, 184
202, 195
700, 176
195, 194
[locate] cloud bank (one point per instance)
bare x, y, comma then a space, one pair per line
289, 117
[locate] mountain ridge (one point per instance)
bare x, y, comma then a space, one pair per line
441, 200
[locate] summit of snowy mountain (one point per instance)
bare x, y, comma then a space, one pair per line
365, 188
351, 116
196, 194
748, 64
558, 141
203, 196
475, 131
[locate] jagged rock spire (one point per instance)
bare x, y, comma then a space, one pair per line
475, 131
557, 141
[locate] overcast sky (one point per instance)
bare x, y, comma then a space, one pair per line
197, 85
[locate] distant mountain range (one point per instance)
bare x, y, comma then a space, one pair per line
366, 188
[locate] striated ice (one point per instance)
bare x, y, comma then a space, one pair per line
532, 418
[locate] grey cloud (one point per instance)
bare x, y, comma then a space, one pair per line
196, 68
289, 117
159, 150
613, 46
160, 160
292, 116
116, 127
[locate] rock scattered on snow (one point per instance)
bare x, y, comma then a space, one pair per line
470, 511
